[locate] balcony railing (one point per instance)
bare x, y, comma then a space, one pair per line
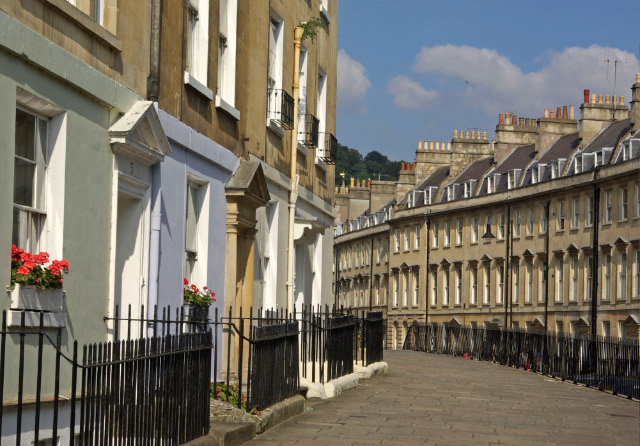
308, 130
328, 152
280, 108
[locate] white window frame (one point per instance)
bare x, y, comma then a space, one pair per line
198, 48
516, 224
575, 277
590, 211
530, 222
407, 239
435, 236
458, 286
321, 114
529, 294
474, 284
459, 232
575, 219
501, 223
607, 207
405, 289
559, 280
445, 298
275, 66
474, 225
500, 280
589, 278
227, 36
560, 217
447, 234
624, 195
416, 290
637, 274
396, 289
622, 276
417, 238
516, 283
543, 291
486, 295
434, 288
606, 271
397, 240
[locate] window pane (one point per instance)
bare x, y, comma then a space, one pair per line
23, 182
25, 133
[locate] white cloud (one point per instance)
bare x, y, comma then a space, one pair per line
353, 83
495, 84
409, 94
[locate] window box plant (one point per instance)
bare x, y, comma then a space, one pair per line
197, 301
36, 281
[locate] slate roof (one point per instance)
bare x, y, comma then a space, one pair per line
435, 178
609, 137
475, 171
518, 159
562, 148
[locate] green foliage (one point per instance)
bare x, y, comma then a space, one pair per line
374, 165
310, 28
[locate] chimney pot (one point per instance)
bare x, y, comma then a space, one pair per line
586, 95
466, 134
546, 112
571, 112
455, 133
637, 78
607, 99
352, 181
552, 114
507, 118
514, 120
402, 166
369, 183
413, 167
621, 100
484, 135
599, 99
420, 144
437, 145
473, 135
449, 146
500, 119
558, 113
593, 98
520, 121
614, 100
564, 112
431, 145
527, 122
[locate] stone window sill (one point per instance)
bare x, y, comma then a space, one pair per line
321, 165
197, 86
302, 150
325, 14
275, 128
228, 108
87, 23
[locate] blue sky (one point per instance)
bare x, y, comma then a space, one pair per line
412, 70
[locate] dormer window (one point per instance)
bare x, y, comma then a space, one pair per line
630, 149
598, 160
468, 188
577, 166
512, 178
492, 183
451, 192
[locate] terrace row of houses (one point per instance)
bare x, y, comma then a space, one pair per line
537, 229
147, 142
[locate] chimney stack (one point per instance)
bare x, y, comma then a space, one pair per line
634, 115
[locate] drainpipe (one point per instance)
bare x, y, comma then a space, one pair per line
371, 279
293, 195
546, 289
153, 81
594, 272
154, 242
336, 290
507, 265
428, 273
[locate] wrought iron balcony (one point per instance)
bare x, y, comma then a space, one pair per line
308, 130
328, 149
280, 108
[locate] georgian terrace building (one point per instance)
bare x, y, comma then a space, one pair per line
518, 220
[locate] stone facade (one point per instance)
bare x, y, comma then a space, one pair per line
475, 251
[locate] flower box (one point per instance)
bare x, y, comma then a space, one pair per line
196, 313
28, 297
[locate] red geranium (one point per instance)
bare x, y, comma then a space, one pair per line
193, 295
30, 269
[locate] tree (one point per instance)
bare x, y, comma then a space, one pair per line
373, 166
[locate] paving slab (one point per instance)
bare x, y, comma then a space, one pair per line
443, 400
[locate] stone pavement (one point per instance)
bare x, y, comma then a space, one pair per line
443, 400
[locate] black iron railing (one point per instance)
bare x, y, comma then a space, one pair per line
328, 151
150, 390
280, 108
605, 363
308, 130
